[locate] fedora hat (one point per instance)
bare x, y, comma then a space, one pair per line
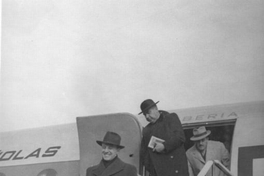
146, 105
112, 139
200, 133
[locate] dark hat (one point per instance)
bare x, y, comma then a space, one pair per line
146, 105
111, 138
200, 133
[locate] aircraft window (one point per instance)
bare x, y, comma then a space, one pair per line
2, 174
48, 172
222, 133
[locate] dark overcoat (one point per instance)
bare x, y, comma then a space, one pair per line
172, 161
117, 168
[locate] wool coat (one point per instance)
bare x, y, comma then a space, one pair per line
117, 168
172, 161
215, 151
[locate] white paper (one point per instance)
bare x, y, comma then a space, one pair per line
153, 140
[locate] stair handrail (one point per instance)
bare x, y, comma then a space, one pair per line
218, 164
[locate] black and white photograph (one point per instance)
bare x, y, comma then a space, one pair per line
85, 86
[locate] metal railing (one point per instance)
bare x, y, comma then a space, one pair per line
206, 168
218, 164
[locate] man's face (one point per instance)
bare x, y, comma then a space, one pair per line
109, 152
152, 115
201, 145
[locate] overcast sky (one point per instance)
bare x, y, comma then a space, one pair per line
67, 58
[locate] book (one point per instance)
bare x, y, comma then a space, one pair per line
153, 140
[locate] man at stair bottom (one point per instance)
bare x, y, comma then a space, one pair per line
110, 163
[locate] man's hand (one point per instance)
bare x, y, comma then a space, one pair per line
158, 147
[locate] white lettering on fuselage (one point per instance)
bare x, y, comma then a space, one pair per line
19, 155
209, 117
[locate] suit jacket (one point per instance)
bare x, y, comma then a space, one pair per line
215, 151
117, 168
172, 161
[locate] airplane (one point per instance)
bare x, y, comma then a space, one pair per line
69, 149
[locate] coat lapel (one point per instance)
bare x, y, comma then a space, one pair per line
210, 151
99, 169
197, 155
113, 168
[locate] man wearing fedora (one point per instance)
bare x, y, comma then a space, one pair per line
110, 163
162, 146
204, 150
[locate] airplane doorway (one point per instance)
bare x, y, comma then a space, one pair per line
222, 132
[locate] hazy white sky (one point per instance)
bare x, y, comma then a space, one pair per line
67, 58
